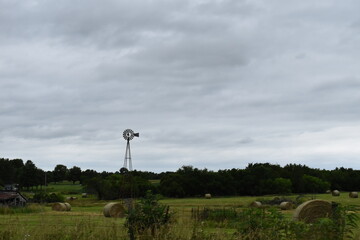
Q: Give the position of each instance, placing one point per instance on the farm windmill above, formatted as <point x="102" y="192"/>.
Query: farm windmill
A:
<point x="128" y="135"/>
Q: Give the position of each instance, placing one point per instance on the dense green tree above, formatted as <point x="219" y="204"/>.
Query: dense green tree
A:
<point x="28" y="175"/>
<point x="281" y="185"/>
<point x="117" y="186"/>
<point x="7" y="172"/>
<point x="172" y="185"/>
<point x="17" y="165"/>
<point x="314" y="184"/>
<point x="40" y="177"/>
<point x="88" y="173"/>
<point x="255" y="179"/>
<point x="74" y="174"/>
<point x="60" y="172"/>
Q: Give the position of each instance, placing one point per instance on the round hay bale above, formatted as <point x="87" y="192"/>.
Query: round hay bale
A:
<point x="255" y="204"/>
<point x="335" y="193"/>
<point x="353" y="194"/>
<point x="328" y="191"/>
<point x="71" y="198"/>
<point x="276" y="199"/>
<point x="286" y="205"/>
<point x="207" y="195"/>
<point x="68" y="206"/>
<point x="84" y="195"/>
<point x="114" y="210"/>
<point x="58" y="206"/>
<point x="311" y="210"/>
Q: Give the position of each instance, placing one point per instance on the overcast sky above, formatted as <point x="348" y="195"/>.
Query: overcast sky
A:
<point x="213" y="84"/>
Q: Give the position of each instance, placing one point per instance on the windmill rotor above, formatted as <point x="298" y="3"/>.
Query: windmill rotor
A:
<point x="129" y="134"/>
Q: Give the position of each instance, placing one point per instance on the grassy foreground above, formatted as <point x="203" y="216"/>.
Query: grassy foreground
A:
<point x="86" y="220"/>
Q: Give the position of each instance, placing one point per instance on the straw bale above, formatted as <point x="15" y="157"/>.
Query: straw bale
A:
<point x="68" y="206"/>
<point x="71" y="198"/>
<point x="255" y="204"/>
<point x="335" y="193"/>
<point x="353" y="194"/>
<point x="58" y="206"/>
<point x="311" y="210"/>
<point x="286" y="205"/>
<point x="114" y="209"/>
<point x="207" y="195"/>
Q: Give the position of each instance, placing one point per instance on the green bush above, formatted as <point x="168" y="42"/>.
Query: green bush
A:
<point x="147" y="217"/>
<point x="42" y="197"/>
<point x="270" y="224"/>
<point x="216" y="215"/>
<point x="314" y="185"/>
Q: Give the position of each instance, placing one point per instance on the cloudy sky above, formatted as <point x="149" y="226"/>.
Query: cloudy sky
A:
<point x="215" y="84"/>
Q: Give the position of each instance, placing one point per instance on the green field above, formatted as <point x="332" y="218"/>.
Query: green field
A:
<point x="86" y="220"/>
<point x="64" y="187"/>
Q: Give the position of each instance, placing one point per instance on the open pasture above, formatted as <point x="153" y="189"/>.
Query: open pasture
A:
<point x="86" y="219"/>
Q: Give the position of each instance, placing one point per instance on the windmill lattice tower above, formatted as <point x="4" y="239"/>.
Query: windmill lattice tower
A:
<point x="128" y="135"/>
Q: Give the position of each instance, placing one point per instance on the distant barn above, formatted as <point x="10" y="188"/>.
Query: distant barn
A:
<point x="11" y="197"/>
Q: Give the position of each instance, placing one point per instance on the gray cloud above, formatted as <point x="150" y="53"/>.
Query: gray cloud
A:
<point x="214" y="84"/>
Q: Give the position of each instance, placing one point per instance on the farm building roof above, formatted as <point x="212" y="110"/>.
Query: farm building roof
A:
<point x="7" y="195"/>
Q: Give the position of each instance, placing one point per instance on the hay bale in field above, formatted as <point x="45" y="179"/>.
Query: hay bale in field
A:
<point x="68" y="206"/>
<point x="114" y="210"/>
<point x="328" y="191"/>
<point x="255" y="204"/>
<point x="207" y="195"/>
<point x="286" y="205"/>
<point x="353" y="194"/>
<point x="71" y="198"/>
<point x="311" y="210"/>
<point x="58" y="206"/>
<point x="84" y="195"/>
<point x="335" y="193"/>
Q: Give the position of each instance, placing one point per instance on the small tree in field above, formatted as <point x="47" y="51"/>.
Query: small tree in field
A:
<point x="60" y="172"/>
<point x="75" y="174"/>
<point x="147" y="217"/>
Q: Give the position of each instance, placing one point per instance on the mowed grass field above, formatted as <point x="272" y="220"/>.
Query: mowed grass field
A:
<point x="86" y="219"/>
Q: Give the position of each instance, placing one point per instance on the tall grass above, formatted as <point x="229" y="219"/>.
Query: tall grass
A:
<point x="31" y="208"/>
<point x="73" y="228"/>
<point x="225" y="219"/>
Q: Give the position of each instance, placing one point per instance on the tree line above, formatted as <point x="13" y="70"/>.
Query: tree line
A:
<point x="187" y="181"/>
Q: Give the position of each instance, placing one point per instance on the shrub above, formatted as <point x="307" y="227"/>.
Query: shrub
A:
<point x="147" y="217"/>
<point x="314" y="185"/>
<point x="260" y="223"/>
<point x="216" y="215"/>
<point x="42" y="197"/>
<point x="255" y="223"/>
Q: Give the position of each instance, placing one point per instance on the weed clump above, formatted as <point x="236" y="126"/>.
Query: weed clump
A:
<point x="257" y="224"/>
<point x="147" y="217"/>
